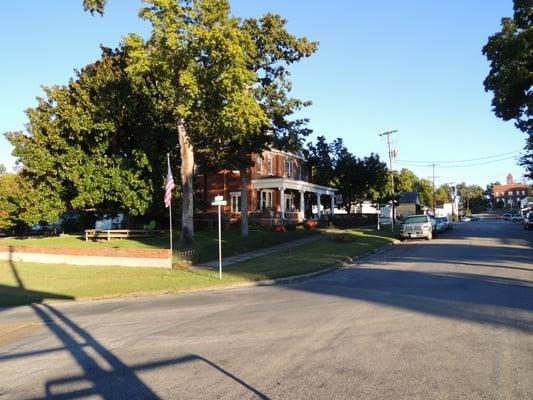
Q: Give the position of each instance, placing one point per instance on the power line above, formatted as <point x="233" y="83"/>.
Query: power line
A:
<point x="458" y="161"/>
<point x="407" y="164"/>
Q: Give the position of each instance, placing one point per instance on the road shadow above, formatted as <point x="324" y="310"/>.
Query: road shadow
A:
<point x="509" y="233"/>
<point x="484" y="299"/>
<point x="115" y="380"/>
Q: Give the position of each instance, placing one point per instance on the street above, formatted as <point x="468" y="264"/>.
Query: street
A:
<point x="450" y="318"/>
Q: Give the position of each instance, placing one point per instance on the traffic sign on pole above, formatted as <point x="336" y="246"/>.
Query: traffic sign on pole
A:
<point x="219" y="201"/>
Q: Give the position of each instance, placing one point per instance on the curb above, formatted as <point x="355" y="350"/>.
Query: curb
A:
<point x="267" y="282"/>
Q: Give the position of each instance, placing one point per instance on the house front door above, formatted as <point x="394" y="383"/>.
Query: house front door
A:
<point x="289" y="202"/>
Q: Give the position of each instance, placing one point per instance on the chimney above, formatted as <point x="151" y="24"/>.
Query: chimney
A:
<point x="509" y="178"/>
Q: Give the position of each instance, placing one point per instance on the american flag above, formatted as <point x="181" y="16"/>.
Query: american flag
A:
<point x="168" y="187"/>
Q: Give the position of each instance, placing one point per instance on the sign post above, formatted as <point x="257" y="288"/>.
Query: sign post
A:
<point x="219" y="201"/>
<point x="378" y="214"/>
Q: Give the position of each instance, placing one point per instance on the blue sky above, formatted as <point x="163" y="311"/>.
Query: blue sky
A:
<point x="411" y="65"/>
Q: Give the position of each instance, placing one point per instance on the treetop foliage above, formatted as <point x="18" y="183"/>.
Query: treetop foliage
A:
<point x="510" y="77"/>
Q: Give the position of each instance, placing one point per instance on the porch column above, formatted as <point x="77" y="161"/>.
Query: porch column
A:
<point x="302" y="201"/>
<point x="282" y="205"/>
<point x="332" y="205"/>
<point x="318" y="212"/>
<point x="260" y="194"/>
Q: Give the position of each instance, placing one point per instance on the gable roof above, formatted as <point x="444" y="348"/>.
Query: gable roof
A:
<point x="408" y="197"/>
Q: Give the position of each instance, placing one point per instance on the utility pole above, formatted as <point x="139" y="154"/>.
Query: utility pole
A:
<point x="433" y="178"/>
<point x="453" y="195"/>
<point x="392" y="154"/>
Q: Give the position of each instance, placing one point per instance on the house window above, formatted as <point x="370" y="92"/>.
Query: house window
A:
<point x="259" y="164"/>
<point x="288" y="168"/>
<point x="523" y="192"/>
<point x="265" y="199"/>
<point x="269" y="164"/>
<point x="235" y="202"/>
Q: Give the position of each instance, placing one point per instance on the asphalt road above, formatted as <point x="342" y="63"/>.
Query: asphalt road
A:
<point x="446" y="319"/>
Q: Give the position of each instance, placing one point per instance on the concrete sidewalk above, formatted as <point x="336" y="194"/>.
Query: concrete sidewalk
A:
<point x="261" y="252"/>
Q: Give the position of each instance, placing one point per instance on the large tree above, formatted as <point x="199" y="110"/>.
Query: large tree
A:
<point x="93" y="144"/>
<point x="511" y="73"/>
<point x="357" y="179"/>
<point x="271" y="50"/>
<point x="224" y="81"/>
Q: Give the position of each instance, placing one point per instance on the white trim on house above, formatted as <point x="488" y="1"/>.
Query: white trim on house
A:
<point x="292" y="184"/>
<point x="266" y="198"/>
<point x="288" y="154"/>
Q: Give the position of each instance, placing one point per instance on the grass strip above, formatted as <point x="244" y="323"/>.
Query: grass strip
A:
<point x="24" y="283"/>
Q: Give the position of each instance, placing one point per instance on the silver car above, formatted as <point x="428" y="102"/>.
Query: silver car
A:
<point x="416" y="226"/>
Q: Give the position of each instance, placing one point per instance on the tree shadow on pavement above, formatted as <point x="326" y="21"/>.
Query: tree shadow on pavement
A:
<point x="116" y="380"/>
<point x="483" y="299"/>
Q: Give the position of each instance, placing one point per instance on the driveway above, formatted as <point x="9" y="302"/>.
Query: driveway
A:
<point x="447" y="319"/>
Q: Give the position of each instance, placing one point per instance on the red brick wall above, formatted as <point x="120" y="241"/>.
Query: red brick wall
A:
<point x="104" y="252"/>
<point x="225" y="182"/>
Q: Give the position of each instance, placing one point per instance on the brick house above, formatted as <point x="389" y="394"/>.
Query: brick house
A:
<point x="511" y="193"/>
<point x="278" y="190"/>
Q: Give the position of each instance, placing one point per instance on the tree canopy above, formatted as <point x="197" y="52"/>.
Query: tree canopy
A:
<point x="510" y="77"/>
<point x="356" y="178"/>
<point x="94" y="144"/>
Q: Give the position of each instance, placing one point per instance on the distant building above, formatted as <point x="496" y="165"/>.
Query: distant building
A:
<point x="408" y="204"/>
<point x="511" y="193"/>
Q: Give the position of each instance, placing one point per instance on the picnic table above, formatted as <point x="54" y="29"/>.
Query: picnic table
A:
<point x="118" y="233"/>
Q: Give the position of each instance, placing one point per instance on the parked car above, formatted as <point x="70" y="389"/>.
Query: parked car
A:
<point x="528" y="221"/>
<point x="449" y="223"/>
<point x="416" y="226"/>
<point x="506" y="216"/>
<point x="517" y="218"/>
<point x="441" y="224"/>
<point x="433" y="223"/>
<point x="466" y="219"/>
<point x="474" y="218"/>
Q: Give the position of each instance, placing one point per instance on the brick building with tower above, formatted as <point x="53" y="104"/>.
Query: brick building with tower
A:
<point x="511" y="193"/>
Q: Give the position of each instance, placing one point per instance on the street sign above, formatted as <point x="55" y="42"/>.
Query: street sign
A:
<point x="219" y="201"/>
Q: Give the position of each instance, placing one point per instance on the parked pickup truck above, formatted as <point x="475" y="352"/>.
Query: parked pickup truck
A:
<point x="416" y="226"/>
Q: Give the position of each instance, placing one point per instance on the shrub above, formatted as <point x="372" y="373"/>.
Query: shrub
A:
<point x="278" y="228"/>
<point x="310" y="224"/>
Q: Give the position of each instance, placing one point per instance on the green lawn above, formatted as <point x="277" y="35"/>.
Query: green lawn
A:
<point x="207" y="242"/>
<point x="24" y="283"/>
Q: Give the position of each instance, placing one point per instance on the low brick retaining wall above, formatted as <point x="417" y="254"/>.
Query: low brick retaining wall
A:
<point x="159" y="258"/>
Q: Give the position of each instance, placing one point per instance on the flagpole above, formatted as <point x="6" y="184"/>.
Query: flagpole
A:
<point x="170" y="212"/>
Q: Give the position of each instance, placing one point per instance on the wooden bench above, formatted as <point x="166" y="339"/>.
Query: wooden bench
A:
<point x="118" y="233"/>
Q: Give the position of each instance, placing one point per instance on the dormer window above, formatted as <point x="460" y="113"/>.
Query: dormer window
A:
<point x="259" y="164"/>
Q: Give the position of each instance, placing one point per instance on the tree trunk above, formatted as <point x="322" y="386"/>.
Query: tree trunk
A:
<point x="187" y="170"/>
<point x="244" y="202"/>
